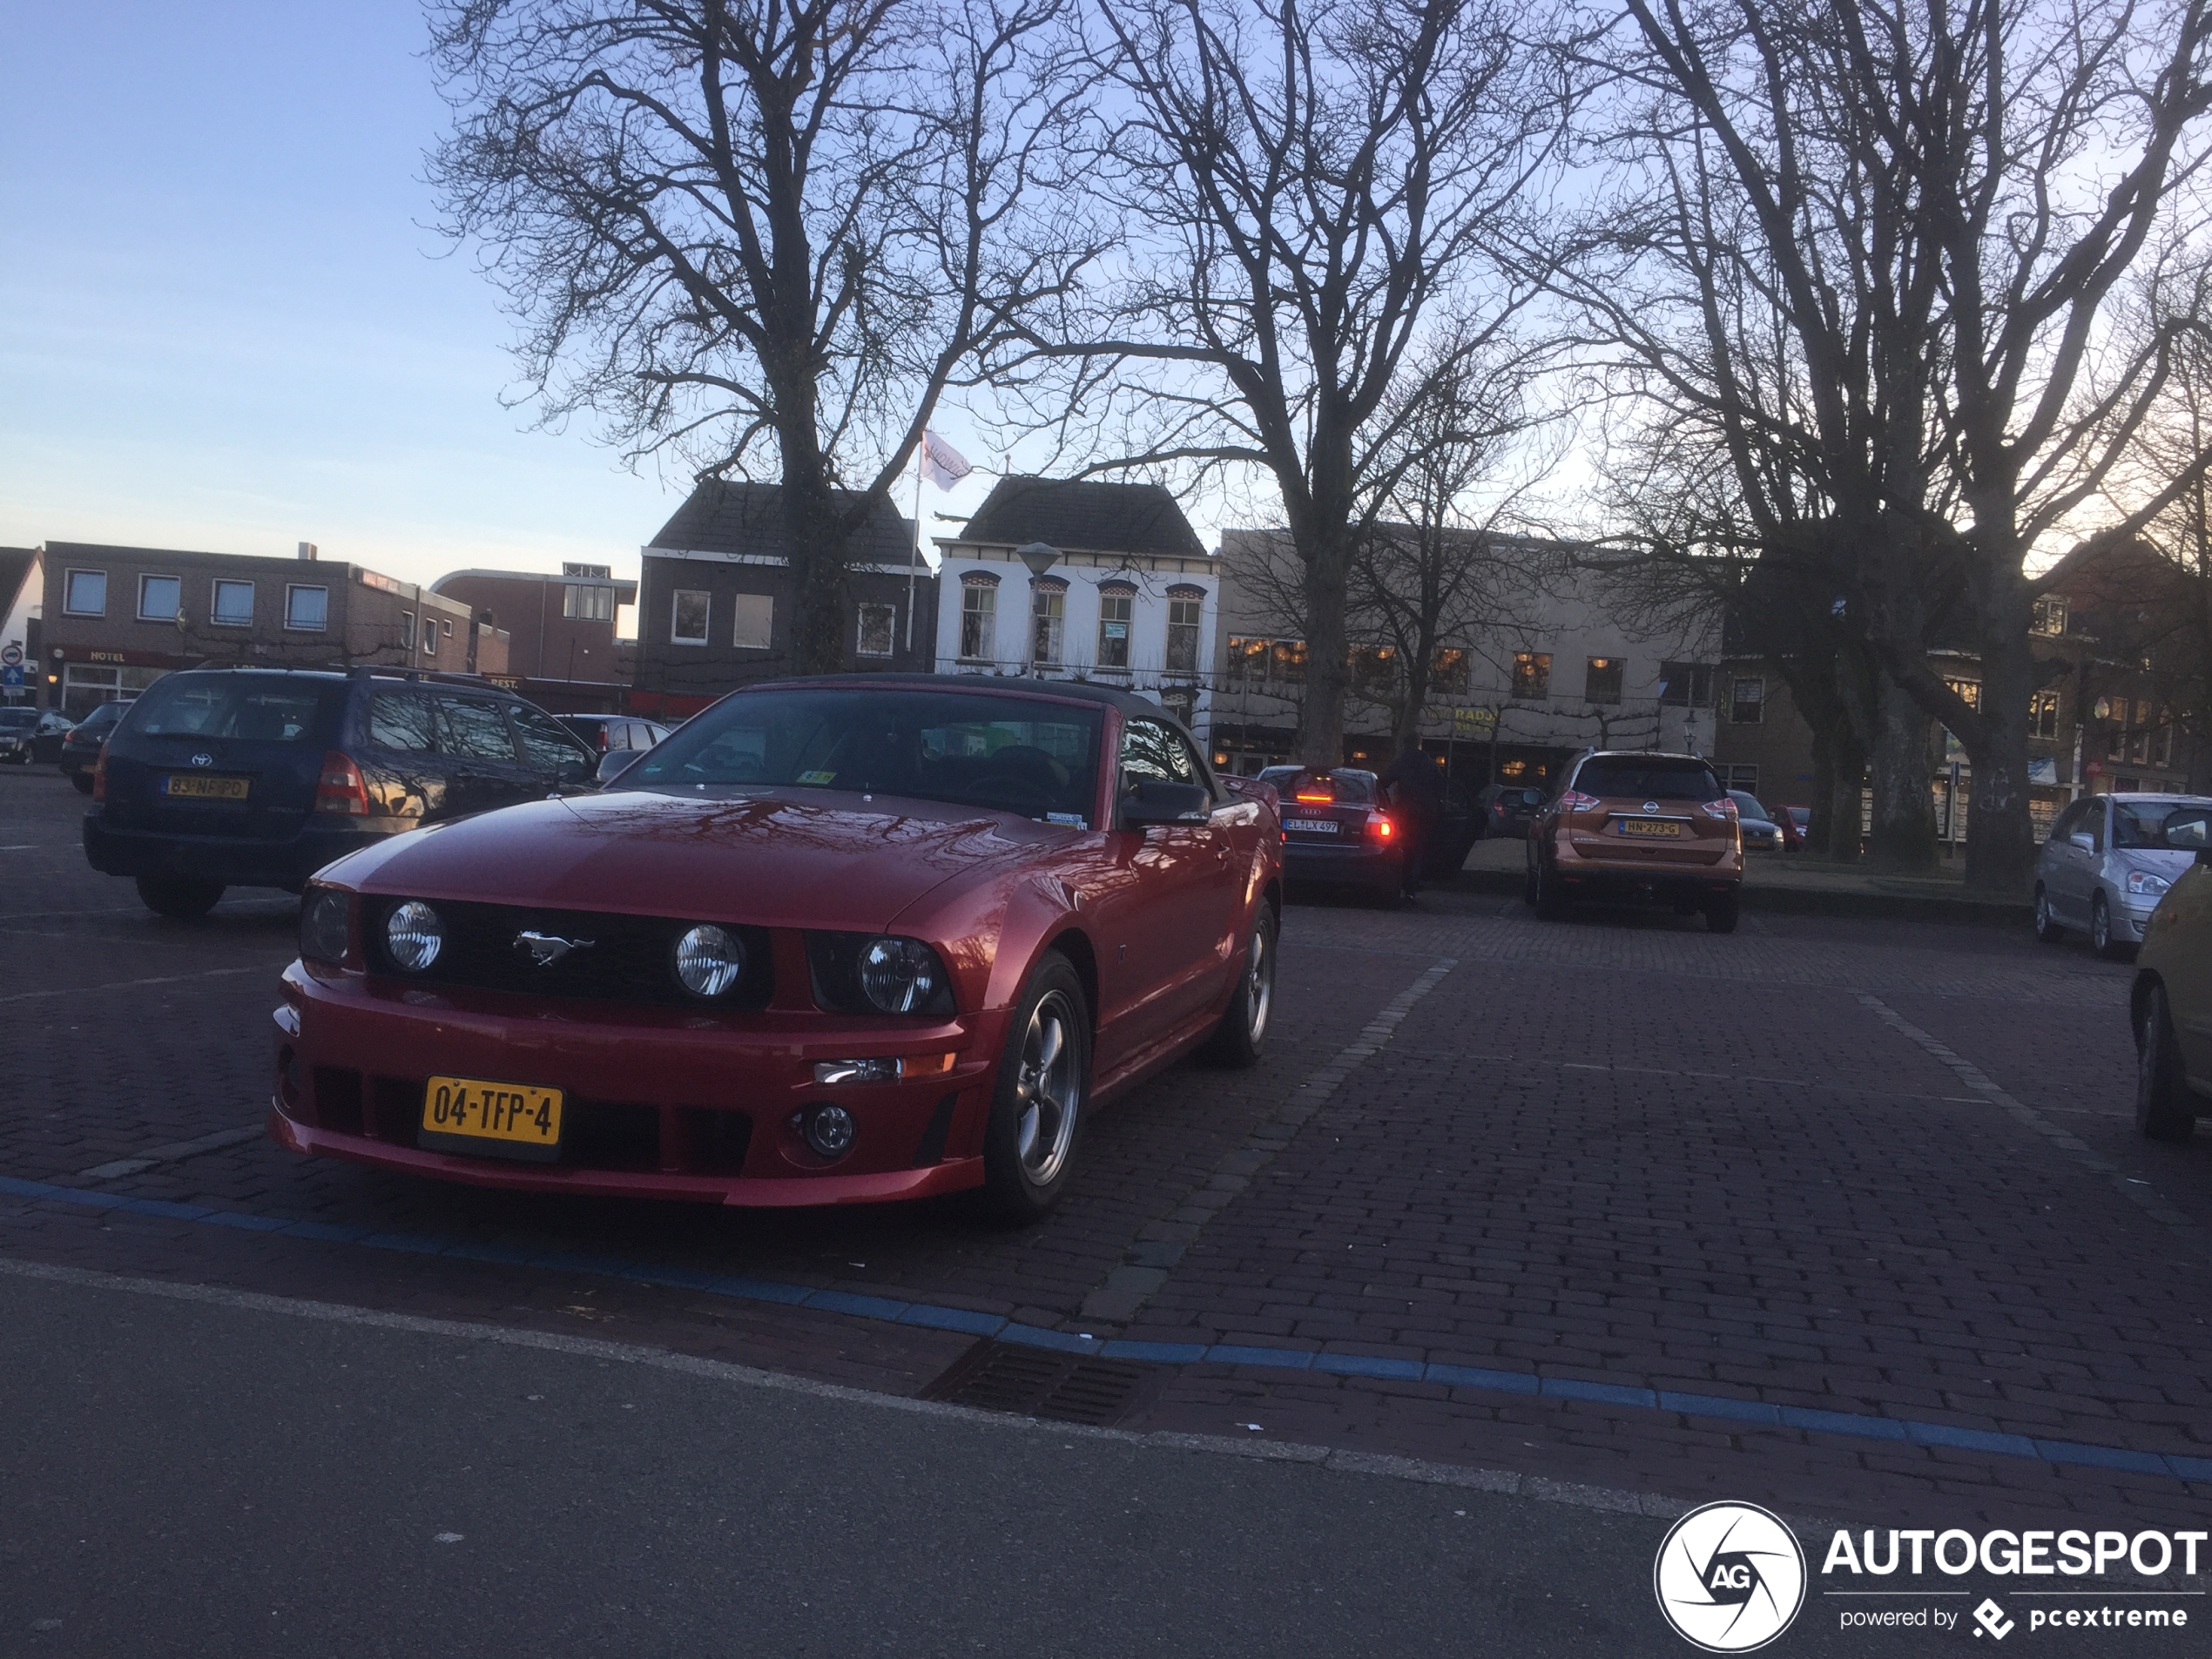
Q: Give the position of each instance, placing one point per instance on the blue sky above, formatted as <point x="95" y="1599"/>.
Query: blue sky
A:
<point x="223" y="325"/>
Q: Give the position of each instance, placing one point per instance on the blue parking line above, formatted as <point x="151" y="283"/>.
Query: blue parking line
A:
<point x="1636" y="1395"/>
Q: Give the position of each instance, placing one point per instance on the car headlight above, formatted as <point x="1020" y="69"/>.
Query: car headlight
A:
<point x="414" y="935"/>
<point x="2143" y="884"/>
<point x="709" y="961"/>
<point x="878" y="974"/>
<point x="324" y="925"/>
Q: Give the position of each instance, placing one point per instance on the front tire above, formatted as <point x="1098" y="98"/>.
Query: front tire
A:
<point x="2162" y="1110"/>
<point x="179" y="897"/>
<point x="2048" y="930"/>
<point x="2100" y="935"/>
<point x="1043" y="1082"/>
<point x="1236" y="1041"/>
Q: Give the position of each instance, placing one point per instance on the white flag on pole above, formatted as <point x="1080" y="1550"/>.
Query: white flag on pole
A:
<point x="941" y="464"/>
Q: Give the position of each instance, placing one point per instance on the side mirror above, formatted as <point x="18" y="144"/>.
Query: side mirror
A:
<point x="2083" y="840"/>
<point x="615" y="762"/>
<point x="2189" y="830"/>
<point x="1156" y="801"/>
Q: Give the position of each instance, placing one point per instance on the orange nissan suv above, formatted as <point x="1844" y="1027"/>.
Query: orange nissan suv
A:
<point x="1632" y="826"/>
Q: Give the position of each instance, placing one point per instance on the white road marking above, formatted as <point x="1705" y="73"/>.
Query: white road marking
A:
<point x="128" y="984"/>
<point x="169" y="1153"/>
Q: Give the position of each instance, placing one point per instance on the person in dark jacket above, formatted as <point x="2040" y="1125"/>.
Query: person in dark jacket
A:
<point x="1415" y="796"/>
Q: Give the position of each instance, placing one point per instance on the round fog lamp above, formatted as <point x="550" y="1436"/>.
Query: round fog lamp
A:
<point x="708" y="962"/>
<point x="414" y="935"/>
<point x="829" y="1130"/>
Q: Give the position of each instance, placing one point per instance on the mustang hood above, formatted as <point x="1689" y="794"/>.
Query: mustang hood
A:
<point x="769" y="860"/>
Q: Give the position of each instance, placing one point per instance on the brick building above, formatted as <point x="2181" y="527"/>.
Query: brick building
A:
<point x="715" y="598"/>
<point x="564" y="650"/>
<point x="117" y="618"/>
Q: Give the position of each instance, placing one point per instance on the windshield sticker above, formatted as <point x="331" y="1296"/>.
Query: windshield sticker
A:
<point x="1073" y="820"/>
<point x="817" y="778"/>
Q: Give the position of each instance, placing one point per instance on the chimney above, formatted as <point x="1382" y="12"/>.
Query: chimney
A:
<point x="307" y="549"/>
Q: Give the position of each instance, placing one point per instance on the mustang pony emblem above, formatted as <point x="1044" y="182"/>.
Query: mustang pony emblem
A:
<point x="546" y="949"/>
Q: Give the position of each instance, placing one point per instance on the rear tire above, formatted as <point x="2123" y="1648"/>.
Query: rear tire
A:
<point x="179" y="897"/>
<point x="1238" y="1040"/>
<point x="1721" y="914"/>
<point x="83" y="780"/>
<point x="1043" y="1084"/>
<point x="2048" y="930"/>
<point x="2162" y="1102"/>
<point x="1550" y="901"/>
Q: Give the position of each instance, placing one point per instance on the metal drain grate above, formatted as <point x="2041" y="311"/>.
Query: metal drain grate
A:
<point x="1034" y="1382"/>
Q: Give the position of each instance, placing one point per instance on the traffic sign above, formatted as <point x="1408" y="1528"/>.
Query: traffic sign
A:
<point x="11" y="676"/>
<point x="12" y="654"/>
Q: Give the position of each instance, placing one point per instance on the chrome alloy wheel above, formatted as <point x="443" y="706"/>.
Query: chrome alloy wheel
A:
<point x="1260" y="983"/>
<point x="1047" y="1090"/>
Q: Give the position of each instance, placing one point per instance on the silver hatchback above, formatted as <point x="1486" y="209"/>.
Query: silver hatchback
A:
<point x="2105" y="867"/>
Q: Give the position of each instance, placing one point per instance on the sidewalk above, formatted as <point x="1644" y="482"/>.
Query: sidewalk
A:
<point x="1785" y="882"/>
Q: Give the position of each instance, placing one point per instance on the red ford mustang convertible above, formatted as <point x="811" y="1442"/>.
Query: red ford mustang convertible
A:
<point x="834" y="941"/>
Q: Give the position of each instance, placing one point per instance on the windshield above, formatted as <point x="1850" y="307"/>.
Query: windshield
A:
<point x="1748" y="806"/>
<point x="18" y="719"/>
<point x="1004" y="755"/>
<point x="2142" y="824"/>
<point x="265" y="708"/>
<point x="1647" y="778"/>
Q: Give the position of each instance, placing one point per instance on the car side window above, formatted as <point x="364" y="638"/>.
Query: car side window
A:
<point x="1151" y="752"/>
<point x="2093" y="821"/>
<point x="2067" y="822"/>
<point x="402" y="720"/>
<point x="544" y="743"/>
<point x="475" y="728"/>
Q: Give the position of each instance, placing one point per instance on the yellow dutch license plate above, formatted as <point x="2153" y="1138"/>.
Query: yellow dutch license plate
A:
<point x="1648" y="826"/>
<point x="190" y="785"/>
<point x="470" y="1115"/>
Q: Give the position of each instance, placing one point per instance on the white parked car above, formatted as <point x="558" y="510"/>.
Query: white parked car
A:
<point x="2105" y="867"/>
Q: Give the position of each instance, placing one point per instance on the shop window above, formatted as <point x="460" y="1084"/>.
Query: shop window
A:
<point x="1747" y="699"/>
<point x="1374" y="668"/>
<point x="2048" y="618"/>
<point x="1532" y="675"/>
<point x="1288" y="660"/>
<point x="2043" y="715"/>
<point x="1602" y="679"/>
<point x="1969" y="691"/>
<point x="1447" y="669"/>
<point x="1247" y="664"/>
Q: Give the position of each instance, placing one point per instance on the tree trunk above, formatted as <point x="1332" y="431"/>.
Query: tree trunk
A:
<point x="814" y="535"/>
<point x="1328" y="666"/>
<point x="1904" y="834"/>
<point x="1843" y="840"/>
<point x="2000" y="835"/>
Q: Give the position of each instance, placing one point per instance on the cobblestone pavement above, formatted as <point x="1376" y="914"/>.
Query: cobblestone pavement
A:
<point x="1884" y="1171"/>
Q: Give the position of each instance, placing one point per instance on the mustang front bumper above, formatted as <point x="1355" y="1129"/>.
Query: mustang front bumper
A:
<point x="658" y="1102"/>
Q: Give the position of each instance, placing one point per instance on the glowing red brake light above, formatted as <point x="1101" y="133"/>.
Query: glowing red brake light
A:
<point x="341" y="789"/>
<point x="1380" y="826"/>
<point x="1316" y="799"/>
<point x="1575" y="801"/>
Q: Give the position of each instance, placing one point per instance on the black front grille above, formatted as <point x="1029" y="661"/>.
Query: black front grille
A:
<point x="629" y="959"/>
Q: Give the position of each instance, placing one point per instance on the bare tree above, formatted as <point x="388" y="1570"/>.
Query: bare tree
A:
<point x="1301" y="185"/>
<point x="764" y="239"/>
<point x="1924" y="211"/>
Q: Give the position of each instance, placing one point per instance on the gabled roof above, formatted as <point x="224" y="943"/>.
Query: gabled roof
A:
<point x="1085" y="516"/>
<point x="15" y="570"/>
<point x="723" y="516"/>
